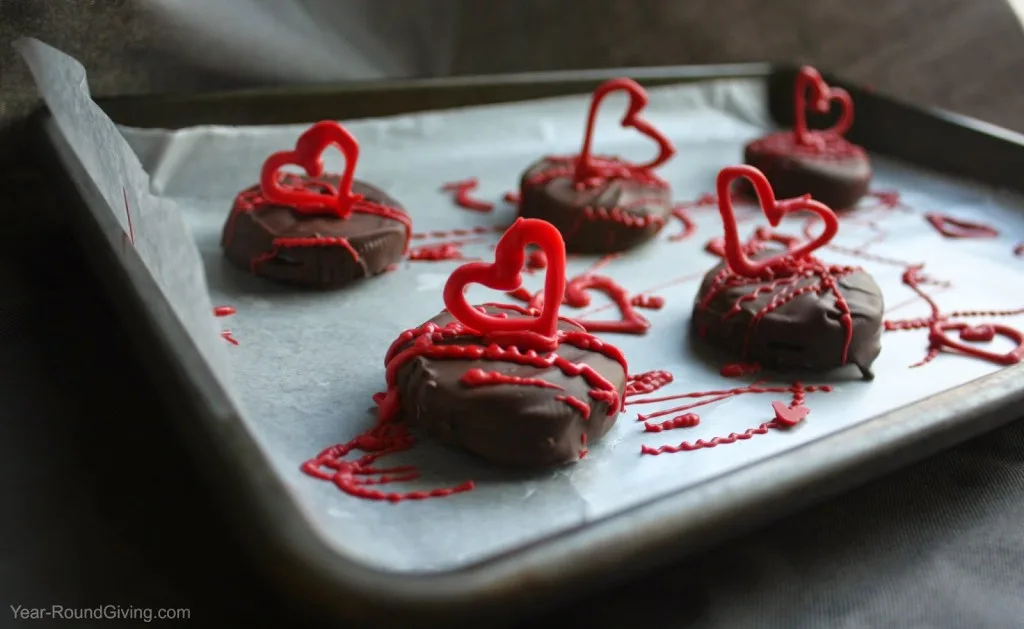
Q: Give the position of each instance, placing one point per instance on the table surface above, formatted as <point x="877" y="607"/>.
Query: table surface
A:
<point x="101" y="504"/>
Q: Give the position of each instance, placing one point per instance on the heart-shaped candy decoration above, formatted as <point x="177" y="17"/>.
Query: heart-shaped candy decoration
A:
<point x="505" y="274"/>
<point x="789" y="416"/>
<point x="308" y="154"/>
<point x="774" y="210"/>
<point x="630" y="321"/>
<point x="958" y="228"/>
<point x="979" y="333"/>
<point x="637" y="101"/>
<point x="821" y="97"/>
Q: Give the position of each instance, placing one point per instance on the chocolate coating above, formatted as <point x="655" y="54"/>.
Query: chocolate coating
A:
<point x="838" y="175"/>
<point x="805" y="333"/>
<point x="248" y="239"/>
<point x="510" y="424"/>
<point x="617" y="214"/>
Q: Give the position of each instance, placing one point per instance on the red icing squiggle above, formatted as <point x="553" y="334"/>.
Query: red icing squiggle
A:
<point x="440" y="251"/>
<point x="938" y="324"/>
<point x="786" y="416"/>
<point x="460" y="232"/>
<point x="463" y="190"/>
<point x="951" y="227"/>
<point x="359" y="477"/>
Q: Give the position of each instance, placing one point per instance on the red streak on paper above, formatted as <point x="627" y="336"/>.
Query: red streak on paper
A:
<point x="460" y="232"/>
<point x="511" y="197"/>
<point x="463" y="190"/>
<point x="223" y="311"/>
<point x="128" y="213"/>
<point x="939" y="324"/>
<point x="226" y="335"/>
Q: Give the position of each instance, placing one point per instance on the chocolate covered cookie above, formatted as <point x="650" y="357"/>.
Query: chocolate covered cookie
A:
<point x="516" y="386"/>
<point x="601" y="204"/>
<point x="786" y="310"/>
<point x="823" y="163"/>
<point x="317" y="231"/>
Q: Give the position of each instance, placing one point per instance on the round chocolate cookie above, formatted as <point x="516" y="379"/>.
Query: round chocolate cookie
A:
<point x="505" y="410"/>
<point x="819" y="318"/>
<point x="315" y="250"/>
<point x="603" y="215"/>
<point x="833" y="171"/>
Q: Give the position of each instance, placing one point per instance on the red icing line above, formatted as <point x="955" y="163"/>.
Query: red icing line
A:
<point x="809" y="80"/>
<point x="938" y="324"/>
<point x="226" y="335"/>
<point x="575" y="403"/>
<point x="479" y="377"/>
<point x="223" y="311"/>
<point x="587" y="167"/>
<point x="463" y="190"/>
<point x="511" y="197"/>
<point x="288" y="243"/>
<point x="537" y="260"/>
<point x="958" y="228"/>
<point x="458" y="233"/>
<point x="785" y="416"/>
<point x="651" y="302"/>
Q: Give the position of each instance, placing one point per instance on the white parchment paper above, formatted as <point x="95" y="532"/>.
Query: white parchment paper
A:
<point x="307" y="363"/>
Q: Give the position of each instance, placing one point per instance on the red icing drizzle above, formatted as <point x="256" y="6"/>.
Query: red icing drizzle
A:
<point x="951" y="227"/>
<point x="459" y="233"/>
<point x="358" y="477"/>
<point x="939" y="324"/>
<point x="463" y="190"/>
<point x="680" y="212"/>
<point x="511" y="197"/>
<point x="786" y="416"/>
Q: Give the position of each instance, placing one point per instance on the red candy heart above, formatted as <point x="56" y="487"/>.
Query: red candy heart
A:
<point x="957" y="228"/>
<point x="773" y="210"/>
<point x="308" y="154"/>
<point x="505" y="274"/>
<point x="809" y="79"/>
<point x="789" y="416"/>
<point x="979" y="333"/>
<point x="637" y="101"/>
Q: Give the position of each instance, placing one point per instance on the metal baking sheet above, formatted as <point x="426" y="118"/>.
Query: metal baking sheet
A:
<point x="307" y="364"/>
<point x="291" y="407"/>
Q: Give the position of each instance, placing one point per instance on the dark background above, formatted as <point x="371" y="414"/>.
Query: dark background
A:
<point x="100" y="504"/>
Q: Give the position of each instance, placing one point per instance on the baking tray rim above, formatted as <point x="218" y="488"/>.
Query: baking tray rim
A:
<point x="639" y="536"/>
